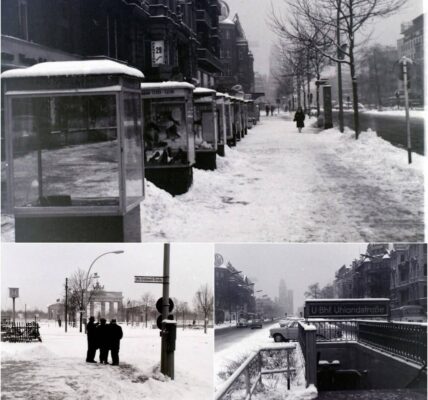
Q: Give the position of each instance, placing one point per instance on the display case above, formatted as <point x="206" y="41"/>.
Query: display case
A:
<point x="169" y="139"/>
<point x="74" y="151"/>
<point x="206" y="129"/>
<point x="221" y="123"/>
<point x="237" y="119"/>
<point x="230" y="118"/>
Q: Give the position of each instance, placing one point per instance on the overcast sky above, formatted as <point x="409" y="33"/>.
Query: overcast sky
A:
<point x="253" y="15"/>
<point x="39" y="270"/>
<point x="298" y="264"/>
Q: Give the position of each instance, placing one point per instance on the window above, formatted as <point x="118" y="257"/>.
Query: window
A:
<point x="402" y="257"/>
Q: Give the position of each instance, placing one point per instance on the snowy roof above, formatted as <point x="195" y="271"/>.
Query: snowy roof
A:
<point x="227" y="21"/>
<point x="201" y="90"/>
<point x="167" y="85"/>
<point x="67" y="68"/>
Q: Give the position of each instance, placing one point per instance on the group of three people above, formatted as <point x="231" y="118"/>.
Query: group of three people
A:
<point x="105" y="337"/>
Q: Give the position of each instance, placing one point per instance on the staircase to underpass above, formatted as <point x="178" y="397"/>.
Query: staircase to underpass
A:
<point x="365" y="359"/>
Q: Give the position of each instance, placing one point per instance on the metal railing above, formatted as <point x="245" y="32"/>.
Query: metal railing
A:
<point x="20" y="332"/>
<point x="248" y="378"/>
<point x="408" y="341"/>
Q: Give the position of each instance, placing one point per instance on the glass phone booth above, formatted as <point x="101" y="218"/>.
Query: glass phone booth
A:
<point x="237" y="120"/>
<point x="221" y="123"/>
<point x="244" y="117"/>
<point x="169" y="141"/>
<point x="206" y="129"/>
<point x="228" y="113"/>
<point x="74" y="151"/>
<point x="250" y="114"/>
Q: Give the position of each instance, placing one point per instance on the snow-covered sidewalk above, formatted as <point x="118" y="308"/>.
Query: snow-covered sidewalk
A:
<point x="279" y="185"/>
<point x="56" y="368"/>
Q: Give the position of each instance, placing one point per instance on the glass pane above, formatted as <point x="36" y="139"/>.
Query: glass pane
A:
<point x="65" y="151"/>
<point x="165" y="133"/>
<point x="205" y="129"/>
<point x="133" y="147"/>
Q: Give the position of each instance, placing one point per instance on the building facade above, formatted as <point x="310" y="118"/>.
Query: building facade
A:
<point x="233" y="293"/>
<point x="411" y="45"/>
<point x="235" y="56"/>
<point x="409" y="275"/>
<point x="165" y="39"/>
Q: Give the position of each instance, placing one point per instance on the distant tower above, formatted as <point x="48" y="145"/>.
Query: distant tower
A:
<point x="282" y="295"/>
<point x="290" y="304"/>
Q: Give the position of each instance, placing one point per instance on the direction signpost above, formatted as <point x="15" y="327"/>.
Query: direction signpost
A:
<point x="165" y="321"/>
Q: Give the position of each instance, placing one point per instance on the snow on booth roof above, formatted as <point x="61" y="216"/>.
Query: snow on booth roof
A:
<point x="167" y="85"/>
<point x="67" y="68"/>
<point x="201" y="90"/>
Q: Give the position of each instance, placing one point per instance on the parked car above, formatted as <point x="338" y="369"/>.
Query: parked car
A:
<point x="255" y="323"/>
<point x="242" y="323"/>
<point x="290" y="331"/>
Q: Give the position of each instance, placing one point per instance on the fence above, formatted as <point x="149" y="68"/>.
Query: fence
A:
<point x="407" y="341"/>
<point x="249" y="376"/>
<point x="20" y="332"/>
<point x="307" y="340"/>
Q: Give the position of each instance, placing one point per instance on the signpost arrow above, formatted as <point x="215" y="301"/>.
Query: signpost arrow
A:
<point x="150" y="279"/>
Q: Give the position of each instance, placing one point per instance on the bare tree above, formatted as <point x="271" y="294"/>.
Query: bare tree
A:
<point x="80" y="296"/>
<point x="148" y="302"/>
<point x="341" y="20"/>
<point x="204" y="302"/>
<point x="313" y="291"/>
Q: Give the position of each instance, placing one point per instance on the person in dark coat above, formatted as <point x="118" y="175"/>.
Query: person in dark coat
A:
<point x="272" y="109"/>
<point x="103" y="340"/>
<point x="91" y="333"/>
<point x="267" y="108"/>
<point x="299" y="117"/>
<point x="114" y="335"/>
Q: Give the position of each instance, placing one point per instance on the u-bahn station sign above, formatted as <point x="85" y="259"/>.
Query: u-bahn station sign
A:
<point x="347" y="308"/>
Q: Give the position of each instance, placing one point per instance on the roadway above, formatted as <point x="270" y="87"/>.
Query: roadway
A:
<point x="229" y="336"/>
<point x="390" y="127"/>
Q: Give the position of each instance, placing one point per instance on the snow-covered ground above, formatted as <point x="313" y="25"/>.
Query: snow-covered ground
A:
<point x="242" y="348"/>
<point x="279" y="185"/>
<point x="401" y="112"/>
<point x="56" y="369"/>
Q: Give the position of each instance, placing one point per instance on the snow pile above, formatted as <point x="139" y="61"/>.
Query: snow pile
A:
<point x="238" y="348"/>
<point x="56" y="368"/>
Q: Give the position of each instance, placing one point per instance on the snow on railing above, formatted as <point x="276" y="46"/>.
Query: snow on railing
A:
<point x="253" y="369"/>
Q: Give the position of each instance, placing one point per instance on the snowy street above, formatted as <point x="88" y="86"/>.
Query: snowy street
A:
<point x="56" y="369"/>
<point x="278" y="185"/>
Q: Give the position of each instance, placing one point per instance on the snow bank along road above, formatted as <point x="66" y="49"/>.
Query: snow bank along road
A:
<point x="279" y="185"/>
<point x="56" y="369"/>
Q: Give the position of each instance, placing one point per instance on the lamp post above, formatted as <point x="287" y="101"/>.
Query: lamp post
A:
<point x="87" y="280"/>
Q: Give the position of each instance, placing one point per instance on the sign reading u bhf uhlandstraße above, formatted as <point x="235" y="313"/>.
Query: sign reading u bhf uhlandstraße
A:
<point x="350" y="308"/>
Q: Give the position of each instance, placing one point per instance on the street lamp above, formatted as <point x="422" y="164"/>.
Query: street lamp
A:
<point x="87" y="280"/>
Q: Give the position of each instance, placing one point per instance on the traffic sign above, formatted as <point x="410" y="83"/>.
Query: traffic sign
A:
<point x="159" y="305"/>
<point x="149" y="279"/>
<point x="159" y="320"/>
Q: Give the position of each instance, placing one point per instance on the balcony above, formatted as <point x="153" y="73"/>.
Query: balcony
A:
<point x="208" y="61"/>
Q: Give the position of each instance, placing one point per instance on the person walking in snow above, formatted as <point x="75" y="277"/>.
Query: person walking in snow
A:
<point x="115" y="334"/>
<point x="272" y="109"/>
<point x="267" y="108"/>
<point x="299" y="117"/>
<point x="91" y="333"/>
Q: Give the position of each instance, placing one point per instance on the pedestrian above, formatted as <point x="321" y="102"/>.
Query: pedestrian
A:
<point x="103" y="340"/>
<point x="272" y="109"/>
<point x="115" y="334"/>
<point x="267" y="108"/>
<point x="299" y="117"/>
<point x="91" y="333"/>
